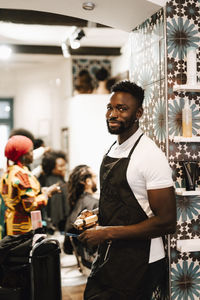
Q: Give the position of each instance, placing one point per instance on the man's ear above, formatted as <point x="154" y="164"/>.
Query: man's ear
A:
<point x="88" y="182"/>
<point x="139" y="112"/>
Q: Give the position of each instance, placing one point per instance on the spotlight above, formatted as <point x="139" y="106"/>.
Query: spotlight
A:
<point x="75" y="44"/>
<point x="75" y="38"/>
<point x="80" y="34"/>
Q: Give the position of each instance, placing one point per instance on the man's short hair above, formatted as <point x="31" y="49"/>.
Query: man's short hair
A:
<point x="101" y="74"/>
<point x="132" y="88"/>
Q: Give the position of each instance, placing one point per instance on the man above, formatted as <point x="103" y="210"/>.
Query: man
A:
<point x="81" y="190"/>
<point x="137" y="207"/>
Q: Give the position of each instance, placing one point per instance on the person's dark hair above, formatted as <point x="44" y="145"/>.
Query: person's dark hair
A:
<point x="132" y="88"/>
<point x="101" y="74"/>
<point x="22" y="131"/>
<point x="84" y="73"/>
<point x="109" y="84"/>
<point x="38" y="143"/>
<point x="49" y="160"/>
<point x="83" y="83"/>
<point x="76" y="182"/>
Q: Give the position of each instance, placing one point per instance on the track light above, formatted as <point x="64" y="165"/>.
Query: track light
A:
<point x="75" y="38"/>
<point x="75" y="44"/>
<point x="65" y="49"/>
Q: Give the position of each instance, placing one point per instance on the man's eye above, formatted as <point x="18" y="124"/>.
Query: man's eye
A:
<point x="109" y="108"/>
<point x="122" y="108"/>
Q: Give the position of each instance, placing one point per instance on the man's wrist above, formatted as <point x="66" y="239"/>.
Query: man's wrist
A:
<point x="109" y="234"/>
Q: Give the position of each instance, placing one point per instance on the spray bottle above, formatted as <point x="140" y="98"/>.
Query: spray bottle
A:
<point x="187" y="119"/>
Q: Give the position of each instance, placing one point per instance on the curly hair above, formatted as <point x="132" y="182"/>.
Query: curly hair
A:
<point x="132" y="88"/>
<point x="76" y="182"/>
<point x="49" y="160"/>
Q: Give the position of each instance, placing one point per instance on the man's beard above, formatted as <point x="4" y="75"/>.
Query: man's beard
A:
<point x="124" y="126"/>
<point x="94" y="188"/>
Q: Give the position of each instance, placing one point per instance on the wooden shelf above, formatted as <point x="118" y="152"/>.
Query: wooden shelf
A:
<point x="183" y="192"/>
<point x="186" y="88"/>
<point x="193" y="139"/>
<point x="189" y="245"/>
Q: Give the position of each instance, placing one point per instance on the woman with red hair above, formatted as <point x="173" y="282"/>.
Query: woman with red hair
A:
<point x="19" y="188"/>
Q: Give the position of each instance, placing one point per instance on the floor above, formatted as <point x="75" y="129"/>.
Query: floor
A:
<point x="73" y="281"/>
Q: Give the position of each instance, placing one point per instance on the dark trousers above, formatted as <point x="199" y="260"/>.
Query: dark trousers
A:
<point x="155" y="279"/>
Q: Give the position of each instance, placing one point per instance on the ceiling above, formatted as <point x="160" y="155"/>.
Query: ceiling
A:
<point x="39" y="27"/>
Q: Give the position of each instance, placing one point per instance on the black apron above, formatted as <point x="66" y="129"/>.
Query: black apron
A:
<point x="121" y="265"/>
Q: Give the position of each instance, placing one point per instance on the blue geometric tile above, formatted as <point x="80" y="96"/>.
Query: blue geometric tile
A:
<point x="185" y="283"/>
<point x="187" y="208"/>
<point x="91" y="65"/>
<point x="181" y="33"/>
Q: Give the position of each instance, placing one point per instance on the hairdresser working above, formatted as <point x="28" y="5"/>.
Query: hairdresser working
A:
<point x="19" y="188"/>
<point x="137" y="207"/>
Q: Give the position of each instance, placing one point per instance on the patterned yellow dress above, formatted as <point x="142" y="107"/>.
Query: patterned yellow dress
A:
<point x="21" y="193"/>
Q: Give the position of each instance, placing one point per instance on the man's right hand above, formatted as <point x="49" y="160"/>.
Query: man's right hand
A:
<point x="94" y="236"/>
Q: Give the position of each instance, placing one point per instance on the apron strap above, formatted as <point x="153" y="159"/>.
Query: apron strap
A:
<point x="131" y="149"/>
<point x="130" y="153"/>
<point x="110" y="148"/>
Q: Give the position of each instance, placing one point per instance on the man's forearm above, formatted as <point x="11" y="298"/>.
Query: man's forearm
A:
<point x="150" y="228"/>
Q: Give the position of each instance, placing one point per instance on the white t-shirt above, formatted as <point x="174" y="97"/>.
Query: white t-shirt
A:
<point x="148" y="169"/>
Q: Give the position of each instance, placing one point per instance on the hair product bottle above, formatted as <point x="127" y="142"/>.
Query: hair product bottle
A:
<point x="187" y="120"/>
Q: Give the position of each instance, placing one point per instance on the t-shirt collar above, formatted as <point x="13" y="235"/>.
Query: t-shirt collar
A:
<point x="131" y="140"/>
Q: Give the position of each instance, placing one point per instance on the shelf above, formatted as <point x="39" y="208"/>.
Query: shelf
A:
<point x="183" y="192"/>
<point x="192" y="245"/>
<point x="193" y="139"/>
<point x="186" y="88"/>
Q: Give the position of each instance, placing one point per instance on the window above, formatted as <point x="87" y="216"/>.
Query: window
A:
<point x="6" y="124"/>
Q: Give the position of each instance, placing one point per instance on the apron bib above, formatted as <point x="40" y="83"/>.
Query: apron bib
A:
<point x="120" y="265"/>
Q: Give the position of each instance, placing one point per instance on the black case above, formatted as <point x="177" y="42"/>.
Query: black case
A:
<point x="45" y="270"/>
<point x="29" y="273"/>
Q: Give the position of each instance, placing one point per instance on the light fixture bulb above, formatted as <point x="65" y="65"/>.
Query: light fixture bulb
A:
<point x="5" y="52"/>
<point x="75" y="44"/>
<point x="88" y="5"/>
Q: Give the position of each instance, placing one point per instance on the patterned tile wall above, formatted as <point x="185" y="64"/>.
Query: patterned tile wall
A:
<point x="147" y="69"/>
<point x="91" y="65"/>
<point x="183" y="30"/>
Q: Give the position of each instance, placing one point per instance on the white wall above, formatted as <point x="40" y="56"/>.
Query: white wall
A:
<point x="89" y="138"/>
<point x="121" y="64"/>
<point x="39" y="93"/>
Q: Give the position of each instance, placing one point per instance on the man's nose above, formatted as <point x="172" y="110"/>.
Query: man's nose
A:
<point x="113" y="113"/>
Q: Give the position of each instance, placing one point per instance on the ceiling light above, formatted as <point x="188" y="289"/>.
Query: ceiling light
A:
<point x="75" y="44"/>
<point x="88" y="5"/>
<point x="5" y="52"/>
<point x="75" y="38"/>
<point x="78" y="34"/>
